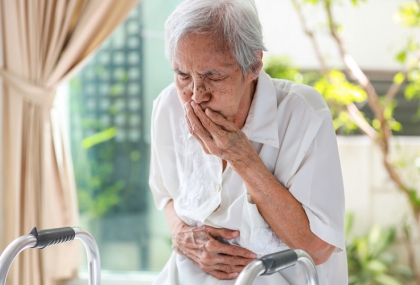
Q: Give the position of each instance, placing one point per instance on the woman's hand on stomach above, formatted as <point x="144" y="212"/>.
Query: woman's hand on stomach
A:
<point x="201" y="246"/>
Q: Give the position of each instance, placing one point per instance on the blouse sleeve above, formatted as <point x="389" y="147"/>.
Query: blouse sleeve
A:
<point x="161" y="195"/>
<point x="317" y="184"/>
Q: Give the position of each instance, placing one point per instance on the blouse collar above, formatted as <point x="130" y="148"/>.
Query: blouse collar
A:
<point x="261" y="124"/>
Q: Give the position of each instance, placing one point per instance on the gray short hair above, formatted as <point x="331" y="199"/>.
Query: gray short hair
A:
<point x="236" y="21"/>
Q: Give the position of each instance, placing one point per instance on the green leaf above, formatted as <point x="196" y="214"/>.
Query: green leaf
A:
<point x="399" y="78"/>
<point x="376" y="124"/>
<point x="311" y="1"/>
<point x="99" y="137"/>
<point x="394" y="125"/>
<point x="388" y="258"/>
<point x="134" y="155"/>
<point x="415" y="199"/>
<point x="336" y="88"/>
<point x="401" y="56"/>
<point x="408" y="15"/>
<point x="116" y="89"/>
<point x="376" y="266"/>
<point x="362" y="249"/>
<point x="410" y="92"/>
<point x="379" y="239"/>
<point x="356" y="2"/>
<point x="387" y="280"/>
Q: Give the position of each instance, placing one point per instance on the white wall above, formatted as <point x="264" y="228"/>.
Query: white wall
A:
<point x="372" y="37"/>
<point x="370" y="193"/>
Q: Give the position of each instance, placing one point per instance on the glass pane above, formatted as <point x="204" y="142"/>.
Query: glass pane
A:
<point x="110" y="154"/>
<point x="110" y="108"/>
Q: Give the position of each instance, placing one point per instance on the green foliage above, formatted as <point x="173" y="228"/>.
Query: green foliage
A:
<point x="388" y="113"/>
<point x="412" y="90"/>
<point x="357" y="2"/>
<point x="98" y="189"/>
<point x="99" y="137"/>
<point x="339" y="92"/>
<point x="408" y="15"/>
<point x="334" y="87"/>
<point x="414" y="197"/>
<point x="369" y="261"/>
<point x="282" y="67"/>
<point x="336" y="90"/>
<point x="97" y="192"/>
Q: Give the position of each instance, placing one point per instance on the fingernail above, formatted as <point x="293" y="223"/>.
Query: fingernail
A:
<point x="253" y="255"/>
<point x="193" y="104"/>
<point x="208" y="111"/>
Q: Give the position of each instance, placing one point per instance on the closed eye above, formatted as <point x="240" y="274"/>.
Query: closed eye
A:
<point x="217" y="79"/>
<point x="183" y="77"/>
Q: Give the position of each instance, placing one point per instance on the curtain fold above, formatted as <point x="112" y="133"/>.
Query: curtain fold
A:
<point x="44" y="43"/>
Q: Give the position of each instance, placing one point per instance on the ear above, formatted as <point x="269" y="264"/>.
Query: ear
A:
<point x="256" y="67"/>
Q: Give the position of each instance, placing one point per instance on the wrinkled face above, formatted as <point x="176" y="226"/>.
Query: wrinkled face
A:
<point x="207" y="73"/>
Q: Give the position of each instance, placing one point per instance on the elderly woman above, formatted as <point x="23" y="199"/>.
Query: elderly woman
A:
<point x="243" y="164"/>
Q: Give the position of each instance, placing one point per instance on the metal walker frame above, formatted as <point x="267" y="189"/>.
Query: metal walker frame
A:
<point x="265" y="265"/>
<point x="51" y="237"/>
<point x="275" y="262"/>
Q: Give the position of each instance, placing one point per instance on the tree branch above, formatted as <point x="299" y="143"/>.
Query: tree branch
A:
<point x="360" y="121"/>
<point x="354" y="70"/>
<point x="392" y="92"/>
<point x="311" y="36"/>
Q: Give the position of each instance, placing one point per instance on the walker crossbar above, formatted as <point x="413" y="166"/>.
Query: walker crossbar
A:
<point x="276" y="262"/>
<point x="51" y="237"/>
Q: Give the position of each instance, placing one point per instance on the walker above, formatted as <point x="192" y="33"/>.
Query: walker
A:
<point x="44" y="238"/>
<point x="265" y="265"/>
<point x="275" y="262"/>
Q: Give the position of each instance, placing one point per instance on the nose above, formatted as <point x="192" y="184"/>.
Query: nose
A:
<point x="200" y="92"/>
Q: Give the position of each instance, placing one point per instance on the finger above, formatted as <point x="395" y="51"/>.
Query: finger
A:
<point x="196" y="125"/>
<point x="192" y="131"/>
<point x="225" y="268"/>
<point x="201" y="142"/>
<point x="222" y="232"/>
<point x="218" y="119"/>
<point x="233" y="250"/>
<point x="211" y="259"/>
<point x="222" y="275"/>
<point x="208" y="124"/>
<point x="196" y="128"/>
<point x="218" y="270"/>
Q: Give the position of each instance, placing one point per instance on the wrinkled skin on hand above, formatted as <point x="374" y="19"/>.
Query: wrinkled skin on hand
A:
<point x="220" y="260"/>
<point x="218" y="136"/>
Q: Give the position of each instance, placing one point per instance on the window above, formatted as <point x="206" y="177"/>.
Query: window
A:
<point x="109" y="125"/>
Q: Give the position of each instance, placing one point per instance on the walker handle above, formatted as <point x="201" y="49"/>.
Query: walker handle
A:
<point x="275" y="262"/>
<point x="51" y="237"/>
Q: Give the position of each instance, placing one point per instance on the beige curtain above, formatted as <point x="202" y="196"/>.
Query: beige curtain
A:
<point x="44" y="43"/>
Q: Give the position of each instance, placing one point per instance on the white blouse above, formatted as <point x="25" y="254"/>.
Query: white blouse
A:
<point x="290" y="127"/>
